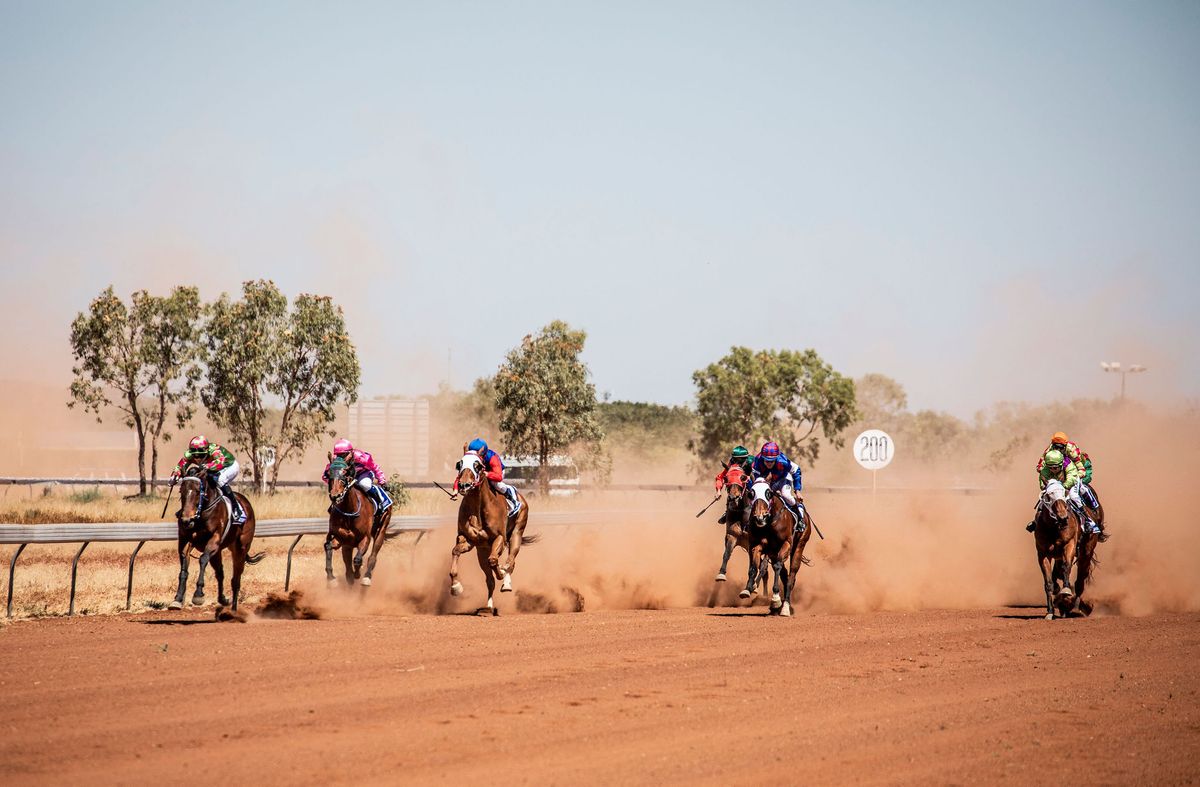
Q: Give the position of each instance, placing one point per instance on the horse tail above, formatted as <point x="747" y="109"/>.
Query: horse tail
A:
<point x="531" y="539"/>
<point x="254" y="560"/>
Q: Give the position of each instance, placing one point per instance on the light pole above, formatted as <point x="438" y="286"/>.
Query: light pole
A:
<point x="1115" y="366"/>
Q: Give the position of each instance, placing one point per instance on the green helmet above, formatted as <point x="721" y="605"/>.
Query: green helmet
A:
<point x="740" y="454"/>
<point x="1054" y="459"/>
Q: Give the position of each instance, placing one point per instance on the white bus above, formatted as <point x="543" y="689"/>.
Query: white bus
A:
<point x="523" y="472"/>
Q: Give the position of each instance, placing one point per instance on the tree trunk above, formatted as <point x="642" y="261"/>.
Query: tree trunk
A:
<point x="141" y="437"/>
<point x="543" y="468"/>
<point x="275" y="472"/>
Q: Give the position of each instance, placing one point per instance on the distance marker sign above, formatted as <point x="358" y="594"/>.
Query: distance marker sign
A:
<point x="874" y="449"/>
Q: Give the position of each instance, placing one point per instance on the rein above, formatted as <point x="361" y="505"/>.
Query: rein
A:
<point x="349" y="514"/>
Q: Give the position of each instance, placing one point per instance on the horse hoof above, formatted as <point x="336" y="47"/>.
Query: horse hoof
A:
<point x="1085" y="607"/>
<point x="787" y="610"/>
<point x="222" y="601"/>
<point x="744" y="594"/>
<point x="456" y="589"/>
<point x="175" y="605"/>
<point x="365" y="582"/>
<point x="197" y="600"/>
<point x="721" y="577"/>
<point x="331" y="583"/>
<point x="506" y="585"/>
<point x="1049" y="616"/>
<point x="776" y="601"/>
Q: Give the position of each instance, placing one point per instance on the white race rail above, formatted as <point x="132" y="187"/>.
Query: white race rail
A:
<point x="84" y="533"/>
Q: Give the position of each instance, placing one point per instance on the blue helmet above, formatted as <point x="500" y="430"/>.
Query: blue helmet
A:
<point x="478" y="446"/>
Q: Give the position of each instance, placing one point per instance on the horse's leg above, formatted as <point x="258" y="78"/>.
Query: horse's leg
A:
<point x="730" y="543"/>
<point x="489" y="575"/>
<point x="755" y="561"/>
<point x="1066" y="596"/>
<point x="776" y="598"/>
<point x="348" y="560"/>
<point x="218" y="567"/>
<point x="205" y="557"/>
<point x="514" y="548"/>
<point x="1083" y="572"/>
<point x="359" y="551"/>
<point x="376" y="544"/>
<point x="238" y="554"/>
<point x="461" y="547"/>
<point x="329" y="560"/>
<point x="785" y="580"/>
<point x="183" y="574"/>
<point x="493" y="558"/>
<point x="1046" y="563"/>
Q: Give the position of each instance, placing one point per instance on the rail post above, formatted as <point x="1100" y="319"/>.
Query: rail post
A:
<point x="287" y="578"/>
<point x="12" y="567"/>
<point x="129" y="586"/>
<point x="74" y="572"/>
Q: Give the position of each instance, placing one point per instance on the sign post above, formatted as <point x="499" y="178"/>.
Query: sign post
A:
<point x="873" y="450"/>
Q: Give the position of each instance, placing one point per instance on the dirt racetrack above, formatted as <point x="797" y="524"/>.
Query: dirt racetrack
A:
<point x="611" y="696"/>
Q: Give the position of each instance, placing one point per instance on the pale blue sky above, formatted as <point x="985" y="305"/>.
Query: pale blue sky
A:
<point x="982" y="200"/>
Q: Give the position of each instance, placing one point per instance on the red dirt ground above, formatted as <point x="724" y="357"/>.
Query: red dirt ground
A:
<point x="688" y="695"/>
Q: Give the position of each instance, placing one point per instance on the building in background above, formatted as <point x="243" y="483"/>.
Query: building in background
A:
<point x="396" y="432"/>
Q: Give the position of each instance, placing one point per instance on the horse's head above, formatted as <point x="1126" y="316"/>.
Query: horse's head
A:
<point x="760" y="502"/>
<point x="1054" y="500"/>
<point x="735" y="486"/>
<point x="471" y="472"/>
<point x="191" y="492"/>
<point x="340" y="479"/>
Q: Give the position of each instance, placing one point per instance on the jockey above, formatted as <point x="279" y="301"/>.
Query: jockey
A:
<point x="368" y="475"/>
<point x="1081" y="460"/>
<point x="781" y="473"/>
<point x="495" y="473"/>
<point x="1055" y="466"/>
<point x="220" y="465"/>
<point x="739" y="458"/>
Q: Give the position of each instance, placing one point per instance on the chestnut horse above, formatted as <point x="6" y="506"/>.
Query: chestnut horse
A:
<point x="484" y="525"/>
<point x="736" y="482"/>
<point x="1056" y="533"/>
<point x="352" y="524"/>
<point x="205" y="524"/>
<point x="776" y="534"/>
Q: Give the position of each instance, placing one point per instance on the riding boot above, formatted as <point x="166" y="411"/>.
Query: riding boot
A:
<point x="514" y="502"/>
<point x="380" y="496"/>
<point x="1031" y="526"/>
<point x="721" y="521"/>
<point x="239" y="516"/>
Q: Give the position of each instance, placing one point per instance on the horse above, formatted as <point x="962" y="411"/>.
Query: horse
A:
<point x="205" y="524"/>
<point x="484" y="523"/>
<point x="735" y="501"/>
<point x="776" y="535"/>
<point x="1085" y="553"/>
<point x="1056" y="533"/>
<point x="352" y="525"/>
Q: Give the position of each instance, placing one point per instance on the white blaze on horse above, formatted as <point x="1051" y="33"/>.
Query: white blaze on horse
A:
<point x="484" y="524"/>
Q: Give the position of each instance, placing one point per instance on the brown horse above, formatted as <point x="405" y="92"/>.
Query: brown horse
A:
<point x="776" y="534"/>
<point x="205" y="525"/>
<point x="353" y="525"/>
<point x="1085" y="555"/>
<point x="1056" y="533"/>
<point x="484" y="524"/>
<point x="736" y="521"/>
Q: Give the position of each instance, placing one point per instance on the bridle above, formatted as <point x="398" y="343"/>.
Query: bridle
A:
<point x="340" y="475"/>
<point x="201" y="509"/>
<point x="476" y="476"/>
<point x="765" y="497"/>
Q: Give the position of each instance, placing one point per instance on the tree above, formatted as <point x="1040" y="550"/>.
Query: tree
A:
<point x="544" y="398"/>
<point x="173" y="354"/>
<point x="880" y="400"/>
<point x="142" y="358"/>
<point x="779" y="394"/>
<point x="274" y="376"/>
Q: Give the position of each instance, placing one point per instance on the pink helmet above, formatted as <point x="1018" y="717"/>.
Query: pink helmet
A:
<point x="198" y="444"/>
<point x="342" y="446"/>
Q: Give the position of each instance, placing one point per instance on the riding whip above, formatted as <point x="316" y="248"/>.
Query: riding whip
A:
<point x="710" y="505"/>
<point x="168" y="500"/>
<point x="444" y="489"/>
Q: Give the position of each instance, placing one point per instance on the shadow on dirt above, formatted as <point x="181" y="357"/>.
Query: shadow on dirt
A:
<point x="175" y="622"/>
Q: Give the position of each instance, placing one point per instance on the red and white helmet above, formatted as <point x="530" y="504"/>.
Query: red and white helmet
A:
<point x="342" y="446"/>
<point x="199" y="443"/>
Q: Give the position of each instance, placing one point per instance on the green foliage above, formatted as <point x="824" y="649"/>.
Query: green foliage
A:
<point x="645" y="428"/>
<point x="86" y="496"/>
<point x="398" y="491"/>
<point x="544" y="398"/>
<point x="142" y="359"/>
<point x="791" y="397"/>
<point x="301" y="360"/>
